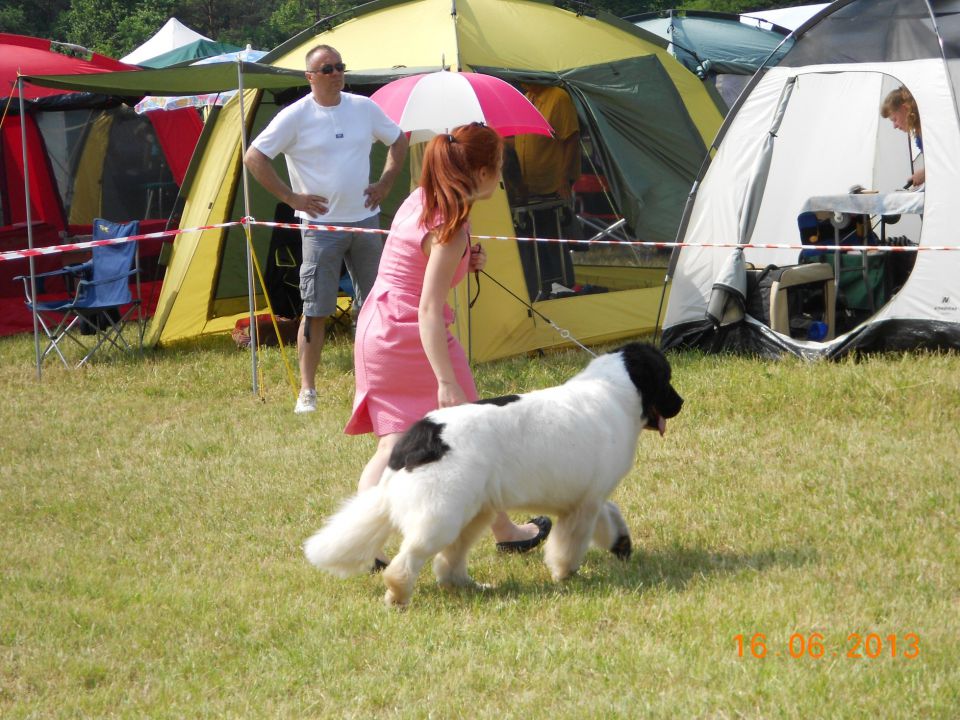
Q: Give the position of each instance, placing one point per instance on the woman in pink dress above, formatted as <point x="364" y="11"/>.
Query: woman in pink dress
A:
<point x="407" y="362"/>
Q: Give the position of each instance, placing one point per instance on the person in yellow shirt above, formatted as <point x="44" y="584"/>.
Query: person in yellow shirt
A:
<point x="548" y="168"/>
<point x="550" y="165"/>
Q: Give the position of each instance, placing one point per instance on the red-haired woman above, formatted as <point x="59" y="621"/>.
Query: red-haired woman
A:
<point x="407" y="362"/>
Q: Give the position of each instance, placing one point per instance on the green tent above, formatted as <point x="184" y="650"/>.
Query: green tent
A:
<point x="190" y="53"/>
<point x="646" y="121"/>
<point x="718" y="47"/>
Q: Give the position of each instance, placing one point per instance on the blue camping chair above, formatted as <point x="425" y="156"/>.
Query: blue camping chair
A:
<point x="102" y="304"/>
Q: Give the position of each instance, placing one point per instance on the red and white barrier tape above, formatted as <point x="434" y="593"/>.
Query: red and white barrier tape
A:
<point x="312" y="226"/>
<point x="70" y="247"/>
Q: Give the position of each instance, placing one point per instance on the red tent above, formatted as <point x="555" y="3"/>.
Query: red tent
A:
<point x="22" y="55"/>
<point x="88" y="156"/>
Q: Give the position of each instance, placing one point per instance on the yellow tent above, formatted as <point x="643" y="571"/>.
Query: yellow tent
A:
<point x="649" y="121"/>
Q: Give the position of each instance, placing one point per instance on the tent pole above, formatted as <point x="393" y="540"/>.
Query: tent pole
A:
<point x="675" y="253"/>
<point x="910" y="153"/>
<point x="26" y="195"/>
<point x="249" y="234"/>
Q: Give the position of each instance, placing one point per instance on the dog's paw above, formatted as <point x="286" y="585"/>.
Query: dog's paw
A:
<point x="561" y="574"/>
<point x="394" y="602"/>
<point x="622" y="547"/>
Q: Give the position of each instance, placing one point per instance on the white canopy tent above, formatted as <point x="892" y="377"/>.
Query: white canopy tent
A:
<point x="172" y="35"/>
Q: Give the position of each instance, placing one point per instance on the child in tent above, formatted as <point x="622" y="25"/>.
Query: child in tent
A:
<point x="901" y="108"/>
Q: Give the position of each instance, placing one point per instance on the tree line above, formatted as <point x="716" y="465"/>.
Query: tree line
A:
<point x="116" y="27"/>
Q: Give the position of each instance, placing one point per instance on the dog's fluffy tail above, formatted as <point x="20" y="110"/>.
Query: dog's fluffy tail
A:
<point x="350" y="540"/>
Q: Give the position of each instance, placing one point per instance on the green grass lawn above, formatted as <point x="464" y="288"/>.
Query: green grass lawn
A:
<point x="152" y="512"/>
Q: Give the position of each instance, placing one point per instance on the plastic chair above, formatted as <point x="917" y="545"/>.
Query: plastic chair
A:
<point x="102" y="303"/>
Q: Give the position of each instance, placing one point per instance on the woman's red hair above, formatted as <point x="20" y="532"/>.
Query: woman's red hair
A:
<point x="451" y="165"/>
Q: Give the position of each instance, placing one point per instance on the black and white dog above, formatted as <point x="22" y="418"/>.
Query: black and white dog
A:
<point x="559" y="451"/>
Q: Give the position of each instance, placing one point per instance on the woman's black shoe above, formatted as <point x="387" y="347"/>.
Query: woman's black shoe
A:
<point x="522" y="546"/>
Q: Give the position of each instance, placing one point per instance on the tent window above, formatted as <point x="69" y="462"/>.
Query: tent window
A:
<point x="640" y="153"/>
<point x="107" y="163"/>
<point x="553" y="270"/>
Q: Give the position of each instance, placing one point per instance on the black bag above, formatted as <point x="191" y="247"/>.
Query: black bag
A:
<point x="759" y="284"/>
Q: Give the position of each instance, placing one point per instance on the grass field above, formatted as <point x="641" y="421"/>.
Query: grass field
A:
<point x="152" y="511"/>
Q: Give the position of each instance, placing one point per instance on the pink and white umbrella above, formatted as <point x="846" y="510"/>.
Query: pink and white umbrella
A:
<point x="433" y="103"/>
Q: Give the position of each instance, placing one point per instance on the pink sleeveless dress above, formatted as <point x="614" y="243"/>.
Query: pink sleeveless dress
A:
<point x="395" y="383"/>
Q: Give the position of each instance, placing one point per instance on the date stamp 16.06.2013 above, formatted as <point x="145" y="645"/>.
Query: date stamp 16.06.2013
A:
<point x="857" y="646"/>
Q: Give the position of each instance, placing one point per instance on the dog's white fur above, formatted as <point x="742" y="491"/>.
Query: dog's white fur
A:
<point x="560" y="451"/>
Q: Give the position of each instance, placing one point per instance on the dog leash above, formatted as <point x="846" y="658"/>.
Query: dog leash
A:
<point x="565" y="334"/>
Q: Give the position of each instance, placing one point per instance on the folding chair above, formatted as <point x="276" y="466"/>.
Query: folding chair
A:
<point x="102" y="304"/>
<point x="342" y="317"/>
<point x="594" y="208"/>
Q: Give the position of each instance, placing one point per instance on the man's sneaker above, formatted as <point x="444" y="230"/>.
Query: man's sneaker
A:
<point x="306" y="402"/>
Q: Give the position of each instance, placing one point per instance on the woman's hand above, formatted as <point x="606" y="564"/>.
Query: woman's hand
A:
<point x="478" y="258"/>
<point x="918" y="178"/>
<point x="442" y="262"/>
<point x="449" y="393"/>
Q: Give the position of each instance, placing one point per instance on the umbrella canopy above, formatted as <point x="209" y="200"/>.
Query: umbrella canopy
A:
<point x="433" y="103"/>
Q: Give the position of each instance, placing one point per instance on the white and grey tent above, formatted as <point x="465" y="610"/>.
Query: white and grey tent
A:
<point x="782" y="171"/>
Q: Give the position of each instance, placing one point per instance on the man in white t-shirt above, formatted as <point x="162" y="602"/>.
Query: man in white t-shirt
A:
<point x="326" y="138"/>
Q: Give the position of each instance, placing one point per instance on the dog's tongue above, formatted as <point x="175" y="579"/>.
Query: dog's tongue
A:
<point x="661" y="425"/>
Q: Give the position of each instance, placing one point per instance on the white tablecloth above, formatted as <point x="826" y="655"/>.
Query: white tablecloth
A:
<point x="901" y="202"/>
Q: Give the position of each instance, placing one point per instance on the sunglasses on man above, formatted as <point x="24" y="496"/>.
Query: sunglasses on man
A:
<point x="328" y="68"/>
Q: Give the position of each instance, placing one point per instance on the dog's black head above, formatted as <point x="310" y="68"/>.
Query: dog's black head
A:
<point x="650" y="372"/>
